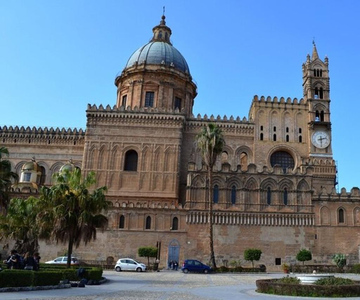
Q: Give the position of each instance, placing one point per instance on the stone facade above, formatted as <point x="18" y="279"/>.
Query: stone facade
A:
<point x="274" y="183"/>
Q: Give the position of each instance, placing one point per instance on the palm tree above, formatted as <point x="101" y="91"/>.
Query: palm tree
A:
<point x="19" y="224"/>
<point x="210" y="142"/>
<point x="71" y="213"/>
<point x="6" y="177"/>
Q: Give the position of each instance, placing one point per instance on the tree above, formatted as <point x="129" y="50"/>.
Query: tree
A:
<point x="70" y="212"/>
<point x="252" y="254"/>
<point x="210" y="142"/>
<point x="19" y="224"/>
<point x="147" y="252"/>
<point x="340" y="260"/>
<point x="6" y="177"/>
<point x="304" y="255"/>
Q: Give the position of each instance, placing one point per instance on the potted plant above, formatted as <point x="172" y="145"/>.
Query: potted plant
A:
<point x="286" y="268"/>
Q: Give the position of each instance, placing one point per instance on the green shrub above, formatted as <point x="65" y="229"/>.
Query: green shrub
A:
<point x="289" y="280"/>
<point x="21" y="278"/>
<point x="16" y="278"/>
<point x="334" y="281"/>
<point x="43" y="278"/>
<point x="355" y="269"/>
<point x="94" y="273"/>
<point x="222" y="269"/>
<point x="304" y="255"/>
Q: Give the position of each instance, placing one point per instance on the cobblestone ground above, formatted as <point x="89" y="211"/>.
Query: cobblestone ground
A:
<point x="166" y="285"/>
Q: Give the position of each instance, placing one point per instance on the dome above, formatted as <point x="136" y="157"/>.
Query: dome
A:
<point x="159" y="51"/>
<point x="30" y="166"/>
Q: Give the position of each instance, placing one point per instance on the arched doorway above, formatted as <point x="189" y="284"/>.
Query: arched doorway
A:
<point x="173" y="251"/>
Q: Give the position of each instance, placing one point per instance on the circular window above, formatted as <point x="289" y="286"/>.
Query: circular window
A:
<point x="282" y="159"/>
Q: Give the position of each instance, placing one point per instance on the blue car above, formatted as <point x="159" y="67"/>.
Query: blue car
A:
<point x="193" y="265"/>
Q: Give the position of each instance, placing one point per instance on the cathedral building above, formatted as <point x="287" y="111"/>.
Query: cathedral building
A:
<point x="274" y="185"/>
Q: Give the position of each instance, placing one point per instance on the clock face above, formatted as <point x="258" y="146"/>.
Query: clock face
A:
<point x="320" y="139"/>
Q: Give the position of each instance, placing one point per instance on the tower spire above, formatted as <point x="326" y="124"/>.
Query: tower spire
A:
<point x="315" y="54"/>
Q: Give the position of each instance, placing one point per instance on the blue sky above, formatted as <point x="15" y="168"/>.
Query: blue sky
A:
<point x="58" y="56"/>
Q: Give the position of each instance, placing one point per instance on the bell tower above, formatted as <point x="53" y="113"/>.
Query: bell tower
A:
<point x="316" y="92"/>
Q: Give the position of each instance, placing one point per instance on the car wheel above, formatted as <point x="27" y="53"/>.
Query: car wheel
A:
<point x="206" y="271"/>
<point x="138" y="270"/>
<point x="117" y="269"/>
<point x="186" y="271"/>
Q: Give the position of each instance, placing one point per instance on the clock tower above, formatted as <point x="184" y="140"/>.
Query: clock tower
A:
<point x="316" y="89"/>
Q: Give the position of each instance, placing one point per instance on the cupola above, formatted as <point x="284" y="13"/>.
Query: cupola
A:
<point x="157" y="76"/>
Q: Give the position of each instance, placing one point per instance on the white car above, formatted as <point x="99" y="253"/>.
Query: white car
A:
<point x="63" y="260"/>
<point x="129" y="264"/>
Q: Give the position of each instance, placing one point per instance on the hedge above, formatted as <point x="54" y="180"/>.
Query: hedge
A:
<point x="273" y="286"/>
<point x="22" y="278"/>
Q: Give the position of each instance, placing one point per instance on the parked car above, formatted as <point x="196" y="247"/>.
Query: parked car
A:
<point x="129" y="264"/>
<point x="63" y="260"/>
<point x="193" y="265"/>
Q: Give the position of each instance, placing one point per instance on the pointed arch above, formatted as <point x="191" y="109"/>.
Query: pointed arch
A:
<point x="324" y="216"/>
<point x="158" y="159"/>
<point x="341" y="215"/>
<point x="146" y="159"/>
<point x="102" y="159"/>
<point x="168" y="159"/>
<point x="115" y="158"/>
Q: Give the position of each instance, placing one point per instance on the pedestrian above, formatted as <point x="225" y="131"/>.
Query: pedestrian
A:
<point x="13" y="260"/>
<point x="37" y="261"/>
<point x="29" y="262"/>
<point x="176" y="265"/>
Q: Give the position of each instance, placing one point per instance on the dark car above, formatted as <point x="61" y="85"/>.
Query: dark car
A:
<point x="193" y="265"/>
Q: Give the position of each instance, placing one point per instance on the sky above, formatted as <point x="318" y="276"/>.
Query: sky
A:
<point x="56" y="57"/>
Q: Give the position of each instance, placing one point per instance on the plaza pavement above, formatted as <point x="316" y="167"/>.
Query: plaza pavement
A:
<point x="165" y="285"/>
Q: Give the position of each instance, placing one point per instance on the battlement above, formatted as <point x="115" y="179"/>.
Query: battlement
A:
<point x="23" y="131"/>
<point x="41" y="136"/>
<point x="219" y="119"/>
<point x="94" y="108"/>
<point x="281" y="100"/>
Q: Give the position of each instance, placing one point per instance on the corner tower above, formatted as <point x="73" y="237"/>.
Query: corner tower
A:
<point x="157" y="76"/>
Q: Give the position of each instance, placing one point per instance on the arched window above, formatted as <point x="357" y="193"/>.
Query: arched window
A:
<point x="160" y="34"/>
<point x="243" y="161"/>
<point x="177" y="104"/>
<point x="148" y="222"/>
<point x="322" y="116"/>
<point x="282" y="159"/>
<point x="123" y="101"/>
<point x="268" y="196"/>
<point x="131" y="160"/>
<point x="274" y="137"/>
<point x="175" y="224"/>
<point x="321" y="93"/>
<point x="216" y="194"/>
<point x="287" y="138"/>
<point x="316" y="93"/>
<point x="233" y="194"/>
<point x="341" y="215"/>
<point x="261" y="136"/>
<point x="300" y="139"/>
<point x="122" y="221"/>
<point x="42" y="176"/>
<point x="285" y="196"/>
